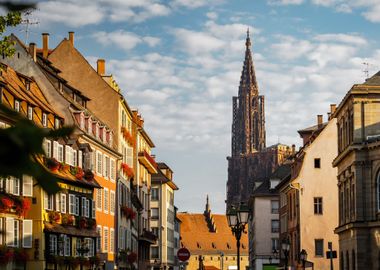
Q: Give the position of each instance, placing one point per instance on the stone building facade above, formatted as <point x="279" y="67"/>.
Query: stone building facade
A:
<point x="250" y="161"/>
<point x="358" y="164"/>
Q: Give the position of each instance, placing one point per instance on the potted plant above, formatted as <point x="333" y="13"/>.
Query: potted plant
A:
<point x="68" y="219"/>
<point x="23" y="206"/>
<point x="52" y="164"/>
<point x="6" y="203"/>
<point x="54" y="216"/>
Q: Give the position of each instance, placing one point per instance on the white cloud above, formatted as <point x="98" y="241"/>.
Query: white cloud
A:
<point x="194" y="3"/>
<point x="70" y="13"/>
<point x="86" y="12"/>
<point x="344" y="38"/>
<point x="124" y="40"/>
<point x="285" y="2"/>
<point x="212" y="15"/>
<point x="373" y="13"/>
<point x="290" y="48"/>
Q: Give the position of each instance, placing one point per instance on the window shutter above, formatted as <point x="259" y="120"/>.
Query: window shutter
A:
<point x="71" y="204"/>
<point x="67" y="154"/>
<point x="10" y="232"/>
<point x="99" y="199"/>
<point x="57" y="202"/>
<point x="9" y="184"/>
<point x="75" y="157"/>
<point x="77" y="206"/>
<point x="87" y="209"/>
<point x="16" y="186"/>
<point x="93" y="209"/>
<point x="63" y="203"/>
<point x="55" y="150"/>
<point x="27" y="233"/>
<point x="46" y="200"/>
<point x="83" y="206"/>
<point x="112" y="169"/>
<point x="80" y="157"/>
<point x="27" y="186"/>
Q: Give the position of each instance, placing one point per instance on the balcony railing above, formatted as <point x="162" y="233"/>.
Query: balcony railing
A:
<point x="148" y="161"/>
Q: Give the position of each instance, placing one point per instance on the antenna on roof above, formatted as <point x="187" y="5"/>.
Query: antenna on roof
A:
<point x="366" y="69"/>
<point x="28" y="21"/>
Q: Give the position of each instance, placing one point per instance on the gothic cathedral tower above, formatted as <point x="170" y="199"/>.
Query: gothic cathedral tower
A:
<point x="248" y="131"/>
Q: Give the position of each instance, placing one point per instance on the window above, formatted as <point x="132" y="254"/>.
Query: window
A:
<point x="154" y="252"/>
<point x="47" y="147"/>
<point x="112" y="202"/>
<point x="156" y="232"/>
<point x="17" y="105"/>
<point x="99" y="238"/>
<point x="27" y="186"/>
<point x="105" y="237"/>
<point x="274" y="207"/>
<point x="77" y="206"/>
<point x="106" y="166"/>
<point x="63" y="203"/>
<point x="53" y="244"/>
<point x="44" y="119"/>
<point x="318" y="206"/>
<point x="106" y="201"/>
<point x="90" y="244"/>
<point x="71" y="204"/>
<point x="93" y="209"/>
<point x="99" y="199"/>
<point x="112" y="170"/>
<point x="318" y="247"/>
<point x="99" y="161"/>
<point x="84" y="207"/>
<point x="275" y="225"/>
<point x="67" y="245"/>
<point x="12" y="185"/>
<point x="129" y="156"/>
<point x="48" y="201"/>
<point x="30" y="113"/>
<point x="112" y="240"/>
<point x="80" y="158"/>
<point x="12" y="232"/>
<point x="155" y="214"/>
<point x="155" y="194"/>
<point x="317" y="163"/>
<point x="275" y="244"/>
<point x="56" y="123"/>
<point x="27" y="230"/>
<point x="60" y="153"/>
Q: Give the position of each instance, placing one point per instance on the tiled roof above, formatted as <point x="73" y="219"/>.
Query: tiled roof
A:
<point x="196" y="236"/>
<point x="374" y="80"/>
<point x="34" y="96"/>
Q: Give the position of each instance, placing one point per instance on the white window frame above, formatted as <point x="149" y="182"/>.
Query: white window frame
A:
<point x="76" y="206"/>
<point x="112" y="240"/>
<point x="112" y="172"/>
<point x="99" y="238"/>
<point x="27" y="233"/>
<point x="99" y="199"/>
<point x="53" y="244"/>
<point x="112" y="202"/>
<point x="80" y="159"/>
<point x="63" y="203"/>
<point x="72" y="204"/>
<point x="17" y="106"/>
<point x="93" y="209"/>
<point x="60" y="155"/>
<point x="83" y="202"/>
<point x="106" y="201"/>
<point x="55" y="150"/>
<point x="30" y="112"/>
<point x="44" y="119"/>
<point x="87" y="209"/>
<point x="99" y="162"/>
<point x="105" y="239"/>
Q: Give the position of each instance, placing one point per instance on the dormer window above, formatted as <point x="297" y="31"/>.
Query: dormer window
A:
<point x="27" y="85"/>
<point x="30" y="113"/>
<point x="56" y="123"/>
<point x="44" y="119"/>
<point x="17" y="106"/>
<point x="104" y="135"/>
<point x="97" y="131"/>
<point x="110" y="139"/>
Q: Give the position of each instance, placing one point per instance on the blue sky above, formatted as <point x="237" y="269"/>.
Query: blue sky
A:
<point x="179" y="63"/>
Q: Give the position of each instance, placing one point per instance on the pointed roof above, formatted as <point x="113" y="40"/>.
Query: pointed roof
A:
<point x="248" y="75"/>
<point x="374" y="80"/>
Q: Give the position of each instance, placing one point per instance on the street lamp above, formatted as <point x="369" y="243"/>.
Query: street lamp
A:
<point x="237" y="219"/>
<point x="285" y="246"/>
<point x="303" y="257"/>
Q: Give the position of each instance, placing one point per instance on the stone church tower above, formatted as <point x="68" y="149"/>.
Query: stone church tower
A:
<point x="250" y="161"/>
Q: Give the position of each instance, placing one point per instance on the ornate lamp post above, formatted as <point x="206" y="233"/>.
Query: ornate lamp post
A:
<point x="237" y="219"/>
<point x="285" y="246"/>
<point x="303" y="257"/>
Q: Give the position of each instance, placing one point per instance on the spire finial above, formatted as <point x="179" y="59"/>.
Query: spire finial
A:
<point x="207" y="204"/>
<point x="248" y="40"/>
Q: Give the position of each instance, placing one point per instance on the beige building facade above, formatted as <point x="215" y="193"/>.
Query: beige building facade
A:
<point x="358" y="164"/>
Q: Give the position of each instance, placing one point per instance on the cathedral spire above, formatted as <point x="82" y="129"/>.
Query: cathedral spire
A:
<point x="248" y="126"/>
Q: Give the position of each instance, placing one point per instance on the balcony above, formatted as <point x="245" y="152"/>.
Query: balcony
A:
<point x="148" y="161"/>
<point x="148" y="236"/>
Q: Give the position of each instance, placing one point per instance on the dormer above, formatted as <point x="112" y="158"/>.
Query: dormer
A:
<point x="110" y="138"/>
<point x="101" y="133"/>
<point x="95" y="129"/>
<point x="82" y="120"/>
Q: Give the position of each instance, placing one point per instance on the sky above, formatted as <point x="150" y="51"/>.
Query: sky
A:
<point x="179" y="63"/>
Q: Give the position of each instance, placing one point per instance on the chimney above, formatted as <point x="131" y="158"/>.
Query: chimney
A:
<point x="33" y="51"/>
<point x="320" y="120"/>
<point x="45" y="45"/>
<point x="332" y="108"/>
<point x="101" y="67"/>
<point x="71" y="38"/>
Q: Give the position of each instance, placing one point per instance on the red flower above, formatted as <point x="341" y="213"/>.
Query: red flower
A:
<point x="23" y="207"/>
<point x="127" y="170"/>
<point x="7" y="202"/>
